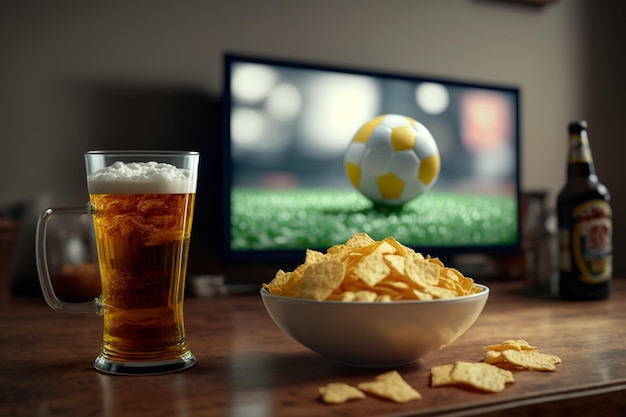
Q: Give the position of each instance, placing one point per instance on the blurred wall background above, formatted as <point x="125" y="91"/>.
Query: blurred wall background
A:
<point x="78" y="75"/>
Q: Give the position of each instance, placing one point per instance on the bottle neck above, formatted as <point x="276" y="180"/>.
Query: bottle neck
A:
<point x="580" y="161"/>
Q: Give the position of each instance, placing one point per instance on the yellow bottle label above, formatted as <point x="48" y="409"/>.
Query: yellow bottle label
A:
<point x="592" y="250"/>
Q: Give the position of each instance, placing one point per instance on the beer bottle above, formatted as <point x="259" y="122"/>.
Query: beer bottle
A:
<point x="585" y="225"/>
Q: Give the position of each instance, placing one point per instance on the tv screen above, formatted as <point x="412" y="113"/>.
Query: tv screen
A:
<point x="287" y="127"/>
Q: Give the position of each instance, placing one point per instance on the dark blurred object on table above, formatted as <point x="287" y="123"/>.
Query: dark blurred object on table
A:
<point x="539" y="243"/>
<point x="9" y="228"/>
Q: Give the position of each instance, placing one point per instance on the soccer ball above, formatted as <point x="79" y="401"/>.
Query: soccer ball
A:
<point x="392" y="159"/>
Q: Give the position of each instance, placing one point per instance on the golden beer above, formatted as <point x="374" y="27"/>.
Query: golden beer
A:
<point x="142" y="204"/>
<point x="143" y="243"/>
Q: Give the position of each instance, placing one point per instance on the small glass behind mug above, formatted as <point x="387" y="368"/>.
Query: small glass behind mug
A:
<point x="141" y="204"/>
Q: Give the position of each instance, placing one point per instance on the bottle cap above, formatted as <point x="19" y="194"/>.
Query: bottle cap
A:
<point x="577" y="127"/>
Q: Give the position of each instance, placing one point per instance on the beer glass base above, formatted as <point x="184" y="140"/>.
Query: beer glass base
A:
<point x="144" y="368"/>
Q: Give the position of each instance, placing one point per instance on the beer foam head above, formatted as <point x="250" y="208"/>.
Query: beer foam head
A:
<point x="141" y="178"/>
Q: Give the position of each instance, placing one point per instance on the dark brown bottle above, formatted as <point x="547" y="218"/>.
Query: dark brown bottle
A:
<point x="585" y="225"/>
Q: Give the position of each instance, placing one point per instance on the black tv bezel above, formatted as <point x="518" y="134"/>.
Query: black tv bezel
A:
<point x="284" y="258"/>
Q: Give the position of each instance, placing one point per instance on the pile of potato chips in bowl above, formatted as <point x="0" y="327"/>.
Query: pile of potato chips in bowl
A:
<point x="373" y="303"/>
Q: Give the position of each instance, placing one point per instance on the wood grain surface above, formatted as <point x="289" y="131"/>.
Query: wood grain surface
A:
<point x="248" y="367"/>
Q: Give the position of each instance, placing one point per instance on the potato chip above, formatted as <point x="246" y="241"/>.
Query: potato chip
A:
<point x="451" y="284"/>
<point x="519" y="344"/>
<point x="372" y="269"/>
<point x="396" y="262"/>
<point x="312" y="256"/>
<point x="386" y="268"/>
<point x="279" y="281"/>
<point x="493" y="357"/>
<point x="519" y="353"/>
<point x="385" y="248"/>
<point x="343" y="296"/>
<point x="436" y="261"/>
<point x="340" y="392"/>
<point x="440" y="375"/>
<point x="439" y="292"/>
<point x="383" y="298"/>
<point x="422" y="273"/>
<point x="416" y="256"/>
<point x="284" y="283"/>
<point x="340" y="251"/>
<point x="531" y="359"/>
<point x="398" y="285"/>
<point x="391" y="386"/>
<point x="359" y="240"/>
<point x="422" y="295"/>
<point x="400" y="248"/>
<point x="365" y="295"/>
<point x="480" y="375"/>
<point x="395" y="290"/>
<point x="320" y="279"/>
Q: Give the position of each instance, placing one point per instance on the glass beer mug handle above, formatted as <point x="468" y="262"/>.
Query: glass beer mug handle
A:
<point x="42" y="262"/>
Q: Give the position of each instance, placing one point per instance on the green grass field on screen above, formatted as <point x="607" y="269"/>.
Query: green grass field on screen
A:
<point x="319" y="218"/>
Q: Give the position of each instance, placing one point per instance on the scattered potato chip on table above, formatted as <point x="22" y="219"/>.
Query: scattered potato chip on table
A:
<point x="519" y="353"/>
<point x="479" y="375"/>
<point x="490" y="375"/>
<point x="487" y="376"/>
<point x="340" y="392"/>
<point x="389" y="386"/>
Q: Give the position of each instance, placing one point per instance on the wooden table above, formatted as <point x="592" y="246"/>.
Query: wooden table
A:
<point x="248" y="367"/>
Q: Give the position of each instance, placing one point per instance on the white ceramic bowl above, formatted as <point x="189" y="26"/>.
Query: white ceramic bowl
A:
<point x="375" y="334"/>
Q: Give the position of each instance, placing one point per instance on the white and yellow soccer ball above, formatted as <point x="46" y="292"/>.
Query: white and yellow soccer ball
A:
<point x="392" y="159"/>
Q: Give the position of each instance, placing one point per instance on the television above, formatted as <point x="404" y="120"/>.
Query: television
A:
<point x="286" y="126"/>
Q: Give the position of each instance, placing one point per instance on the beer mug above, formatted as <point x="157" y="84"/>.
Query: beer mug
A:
<point x="141" y="204"/>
